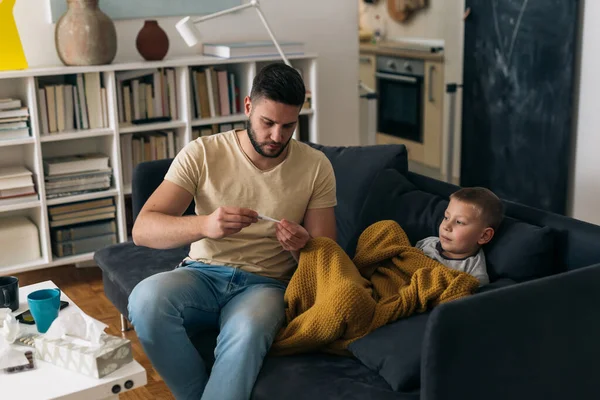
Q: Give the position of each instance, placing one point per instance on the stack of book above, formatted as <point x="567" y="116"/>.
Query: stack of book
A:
<point x="16" y="185"/>
<point x="78" y="102"/>
<point x="147" y="95"/>
<point x="82" y="227"/>
<point x="14" y="119"/>
<point x="215" y="92"/>
<point x="77" y="174"/>
<point x="149" y="146"/>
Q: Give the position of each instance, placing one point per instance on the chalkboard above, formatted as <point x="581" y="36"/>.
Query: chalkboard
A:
<point x="517" y="99"/>
<point x="130" y="9"/>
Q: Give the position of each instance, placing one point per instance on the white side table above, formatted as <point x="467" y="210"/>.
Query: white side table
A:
<point x="47" y="381"/>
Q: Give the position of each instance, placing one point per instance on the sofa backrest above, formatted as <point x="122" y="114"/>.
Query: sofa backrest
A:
<point x="147" y="176"/>
<point x="355" y="168"/>
<point x="575" y="241"/>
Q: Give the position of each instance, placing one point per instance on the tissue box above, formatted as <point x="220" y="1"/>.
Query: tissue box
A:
<point x="76" y="355"/>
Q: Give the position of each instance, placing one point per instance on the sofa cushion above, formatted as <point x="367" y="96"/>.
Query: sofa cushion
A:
<point x="126" y="264"/>
<point x="321" y="376"/>
<point x="354" y="169"/>
<point x="394" y="350"/>
<point x="518" y="251"/>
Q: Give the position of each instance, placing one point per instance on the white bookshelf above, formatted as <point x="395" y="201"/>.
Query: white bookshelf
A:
<point x="31" y="151"/>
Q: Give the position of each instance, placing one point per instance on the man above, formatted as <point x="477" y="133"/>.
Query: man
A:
<point x="235" y="275"/>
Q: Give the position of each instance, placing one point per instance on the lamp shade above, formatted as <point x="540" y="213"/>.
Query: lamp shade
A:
<point x="188" y="31"/>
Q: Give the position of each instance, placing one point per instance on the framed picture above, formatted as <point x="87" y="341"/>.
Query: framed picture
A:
<point x="134" y="9"/>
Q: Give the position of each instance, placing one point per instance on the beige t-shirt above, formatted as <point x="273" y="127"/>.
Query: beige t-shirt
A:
<point x="217" y="172"/>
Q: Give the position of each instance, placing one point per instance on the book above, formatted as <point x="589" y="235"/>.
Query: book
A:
<point x="83" y="213"/>
<point x="77" y="162"/>
<point x="251" y="49"/>
<point x="23" y="198"/>
<point x="9" y="134"/>
<point x="78" y="220"/>
<point x="15" y="177"/>
<point x="84" y="231"/>
<point x="73" y="247"/>
<point x="9" y="104"/>
<point x="12" y="125"/>
<point x="18" y="191"/>
<point x="18" y="112"/>
<point x="78" y="206"/>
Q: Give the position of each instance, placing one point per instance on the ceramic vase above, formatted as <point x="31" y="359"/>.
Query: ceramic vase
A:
<point x="152" y="42"/>
<point x="84" y="35"/>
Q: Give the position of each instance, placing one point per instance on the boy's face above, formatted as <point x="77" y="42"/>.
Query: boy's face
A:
<point x="462" y="231"/>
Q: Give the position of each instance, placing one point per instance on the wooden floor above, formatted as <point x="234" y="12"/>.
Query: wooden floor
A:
<point x="84" y="287"/>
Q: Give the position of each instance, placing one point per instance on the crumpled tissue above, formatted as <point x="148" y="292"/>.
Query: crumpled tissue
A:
<point x="77" y="342"/>
<point x="82" y="329"/>
<point x="9" y="331"/>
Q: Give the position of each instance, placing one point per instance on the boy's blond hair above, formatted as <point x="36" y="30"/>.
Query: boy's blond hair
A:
<point x="489" y="205"/>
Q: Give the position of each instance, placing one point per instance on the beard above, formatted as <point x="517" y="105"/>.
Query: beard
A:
<point x="258" y="147"/>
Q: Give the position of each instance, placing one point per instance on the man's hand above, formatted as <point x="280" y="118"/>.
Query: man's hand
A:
<point x="225" y="221"/>
<point x="293" y="237"/>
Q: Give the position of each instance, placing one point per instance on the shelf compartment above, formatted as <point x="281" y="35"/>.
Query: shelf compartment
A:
<point x="81" y="134"/>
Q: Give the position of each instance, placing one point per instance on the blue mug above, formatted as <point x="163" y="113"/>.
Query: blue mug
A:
<point x="44" y="305"/>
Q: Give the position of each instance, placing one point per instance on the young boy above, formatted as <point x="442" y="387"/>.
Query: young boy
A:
<point x="472" y="217"/>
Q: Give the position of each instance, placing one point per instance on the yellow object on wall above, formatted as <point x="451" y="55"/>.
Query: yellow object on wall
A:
<point x="11" y="50"/>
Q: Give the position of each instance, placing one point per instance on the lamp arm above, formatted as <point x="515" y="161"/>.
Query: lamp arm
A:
<point x="264" y="21"/>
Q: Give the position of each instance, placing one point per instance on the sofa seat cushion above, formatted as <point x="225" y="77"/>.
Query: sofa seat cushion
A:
<point x="126" y="264"/>
<point x="321" y="376"/>
<point x="518" y="251"/>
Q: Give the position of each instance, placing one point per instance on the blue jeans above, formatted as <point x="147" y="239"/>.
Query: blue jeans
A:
<point x="248" y="309"/>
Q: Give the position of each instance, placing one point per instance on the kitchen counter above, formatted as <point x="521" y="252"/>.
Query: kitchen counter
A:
<point x="392" y="49"/>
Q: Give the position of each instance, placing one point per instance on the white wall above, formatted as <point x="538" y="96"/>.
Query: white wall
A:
<point x="440" y="20"/>
<point x="329" y="28"/>
<point x="585" y="177"/>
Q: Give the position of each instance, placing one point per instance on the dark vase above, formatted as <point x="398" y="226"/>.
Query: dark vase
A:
<point x="152" y="42"/>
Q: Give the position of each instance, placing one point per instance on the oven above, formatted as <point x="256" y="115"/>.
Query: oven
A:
<point x="400" y="89"/>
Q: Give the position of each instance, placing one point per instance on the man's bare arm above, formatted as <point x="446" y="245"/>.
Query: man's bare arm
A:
<point x="160" y="223"/>
<point x="318" y="222"/>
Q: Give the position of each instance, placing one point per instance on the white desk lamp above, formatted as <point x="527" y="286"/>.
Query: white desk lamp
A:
<point x="190" y="34"/>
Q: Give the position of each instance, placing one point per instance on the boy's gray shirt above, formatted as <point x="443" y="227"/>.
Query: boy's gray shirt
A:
<point x="474" y="265"/>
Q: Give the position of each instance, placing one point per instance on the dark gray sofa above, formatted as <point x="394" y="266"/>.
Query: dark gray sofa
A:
<point x="534" y="332"/>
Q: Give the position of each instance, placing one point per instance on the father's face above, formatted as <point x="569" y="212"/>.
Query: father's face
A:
<point x="271" y="125"/>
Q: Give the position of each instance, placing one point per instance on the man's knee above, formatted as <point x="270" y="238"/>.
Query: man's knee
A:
<point x="149" y="297"/>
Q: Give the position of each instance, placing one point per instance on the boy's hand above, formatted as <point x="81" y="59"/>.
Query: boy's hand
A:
<point x="225" y="221"/>
<point x="292" y="236"/>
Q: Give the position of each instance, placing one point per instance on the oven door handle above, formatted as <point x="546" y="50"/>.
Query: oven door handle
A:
<point x="398" y="78"/>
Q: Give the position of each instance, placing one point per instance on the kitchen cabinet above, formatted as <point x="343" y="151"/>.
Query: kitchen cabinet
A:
<point x="433" y="114"/>
<point x="366" y="70"/>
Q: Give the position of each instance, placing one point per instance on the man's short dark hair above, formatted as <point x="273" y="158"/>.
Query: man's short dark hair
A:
<point x="489" y="205"/>
<point x="280" y="83"/>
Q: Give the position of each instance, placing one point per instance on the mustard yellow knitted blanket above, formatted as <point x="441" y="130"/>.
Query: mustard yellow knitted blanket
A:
<point x="332" y="300"/>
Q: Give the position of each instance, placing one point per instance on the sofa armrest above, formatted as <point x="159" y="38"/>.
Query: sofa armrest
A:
<point x="535" y="340"/>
